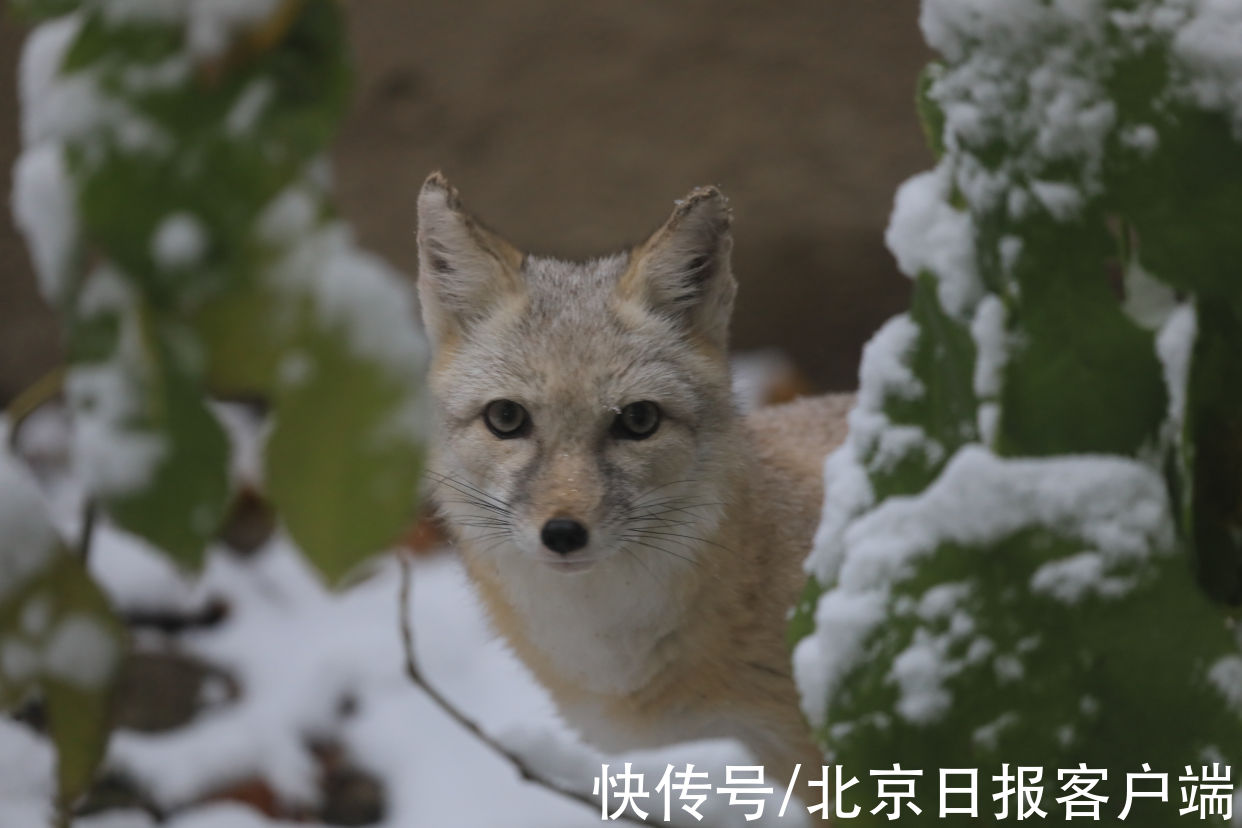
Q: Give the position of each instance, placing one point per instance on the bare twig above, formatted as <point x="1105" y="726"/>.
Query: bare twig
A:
<point x="31" y="399"/>
<point x="513" y="758"/>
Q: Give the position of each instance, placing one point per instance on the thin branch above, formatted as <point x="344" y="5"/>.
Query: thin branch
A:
<point x="30" y="399"/>
<point x="416" y="676"/>
<point x="89" y="510"/>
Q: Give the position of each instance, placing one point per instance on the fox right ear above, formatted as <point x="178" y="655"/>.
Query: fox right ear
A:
<point x="463" y="268"/>
<point x="683" y="272"/>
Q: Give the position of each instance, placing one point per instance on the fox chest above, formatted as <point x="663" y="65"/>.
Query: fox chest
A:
<point x="603" y="632"/>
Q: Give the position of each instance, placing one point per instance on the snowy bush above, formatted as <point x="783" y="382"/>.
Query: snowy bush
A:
<point x="1033" y="536"/>
<point x="174" y="195"/>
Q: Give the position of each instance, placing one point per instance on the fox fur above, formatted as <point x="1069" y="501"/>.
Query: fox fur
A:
<point x="669" y="623"/>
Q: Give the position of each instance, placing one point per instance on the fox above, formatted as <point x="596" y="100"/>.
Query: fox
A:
<point x="636" y="540"/>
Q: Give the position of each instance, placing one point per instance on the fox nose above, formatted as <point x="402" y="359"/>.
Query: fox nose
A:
<point x="563" y="535"/>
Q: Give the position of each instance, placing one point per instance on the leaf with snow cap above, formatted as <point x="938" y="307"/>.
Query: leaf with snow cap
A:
<point x="1081" y="224"/>
<point x="58" y="636"/>
<point x="992" y="619"/>
<point x="144" y="441"/>
<point x="329" y="338"/>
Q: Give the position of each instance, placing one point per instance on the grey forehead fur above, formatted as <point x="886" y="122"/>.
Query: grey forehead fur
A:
<point x="568" y="329"/>
<point x="556" y="287"/>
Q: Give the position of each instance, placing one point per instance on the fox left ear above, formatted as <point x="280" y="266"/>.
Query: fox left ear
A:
<point x="683" y="270"/>
<point x="465" y="270"/>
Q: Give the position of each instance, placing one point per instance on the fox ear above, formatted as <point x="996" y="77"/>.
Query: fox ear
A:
<point x="464" y="270"/>
<point x="683" y="269"/>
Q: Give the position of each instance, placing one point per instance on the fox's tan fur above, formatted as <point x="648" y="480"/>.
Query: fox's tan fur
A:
<point x="675" y="628"/>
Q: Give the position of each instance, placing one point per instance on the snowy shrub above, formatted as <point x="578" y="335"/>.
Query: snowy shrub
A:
<point x="174" y="194"/>
<point x="1033" y="536"/>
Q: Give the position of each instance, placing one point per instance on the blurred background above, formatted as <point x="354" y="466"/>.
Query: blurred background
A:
<point x="571" y="127"/>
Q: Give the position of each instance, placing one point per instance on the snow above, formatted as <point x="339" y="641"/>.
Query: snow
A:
<point x="1071" y="579"/>
<point x="1208" y="46"/>
<point x="80" y="652"/>
<point x="1226" y="676"/>
<point x="27" y="765"/>
<point x="1148" y="301"/>
<point x="1174" y="345"/>
<point x="298" y="651"/>
<point x="1062" y="200"/>
<point x="44" y="210"/>
<point x="179" y="241"/>
<point x="1116" y="506"/>
<point x="113" y="457"/>
<point x="988" y="736"/>
<point x="1115" y="503"/>
<point x="29" y="539"/>
<point x="920" y="671"/>
<point x="249" y="107"/>
<point x="356" y="292"/>
<point x="927" y="234"/>
<point x="991" y="346"/>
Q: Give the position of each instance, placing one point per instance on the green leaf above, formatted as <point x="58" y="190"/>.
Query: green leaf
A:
<point x="942" y="360"/>
<point x="179" y="499"/>
<point x="1061" y="684"/>
<point x="341" y="467"/>
<point x="931" y="118"/>
<point x="31" y="10"/>
<point x="1084" y="376"/>
<point x="1212" y="452"/>
<point x="58" y="635"/>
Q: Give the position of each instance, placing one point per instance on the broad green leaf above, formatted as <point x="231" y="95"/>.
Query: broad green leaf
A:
<point x="342" y="468"/>
<point x="1212" y="452"/>
<point x="1054" y="684"/>
<point x="58" y="636"/>
<point x="158" y="458"/>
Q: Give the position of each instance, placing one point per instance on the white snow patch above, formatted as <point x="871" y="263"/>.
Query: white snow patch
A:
<point x="45" y="211"/>
<point x="1062" y="200"/>
<point x="1208" y="46"/>
<point x="29" y="539"/>
<point x="926" y="233"/>
<point x="1226" y="676"/>
<point x="843" y="624"/>
<point x="249" y="107"/>
<point x="80" y="652"/>
<point x="1149" y="301"/>
<point x="847" y="493"/>
<point x="1117" y="506"/>
<point x="1008" y="668"/>
<point x="1071" y="579"/>
<point x="1141" y="137"/>
<point x="920" y="672"/>
<point x="1174" y="345"/>
<point x="179" y="241"/>
<point x="27" y="767"/>
<point x="987" y="737"/>
<point x="991" y="346"/>
<point x="112" y="456"/>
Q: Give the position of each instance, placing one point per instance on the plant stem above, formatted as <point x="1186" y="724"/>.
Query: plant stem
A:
<point x="32" y="398"/>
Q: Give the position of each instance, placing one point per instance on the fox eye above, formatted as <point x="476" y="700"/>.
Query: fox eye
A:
<point x="637" y="421"/>
<point x="506" y="419"/>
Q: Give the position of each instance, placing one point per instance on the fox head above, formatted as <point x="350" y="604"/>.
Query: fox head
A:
<point x="584" y="410"/>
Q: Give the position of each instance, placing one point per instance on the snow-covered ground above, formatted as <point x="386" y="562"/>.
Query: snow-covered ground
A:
<point x="315" y="665"/>
<point x="298" y="650"/>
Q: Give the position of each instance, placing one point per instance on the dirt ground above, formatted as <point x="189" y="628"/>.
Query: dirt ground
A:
<point x="571" y="127"/>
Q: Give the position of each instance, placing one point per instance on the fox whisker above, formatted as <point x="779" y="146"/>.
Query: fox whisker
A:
<point x="652" y="545"/>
